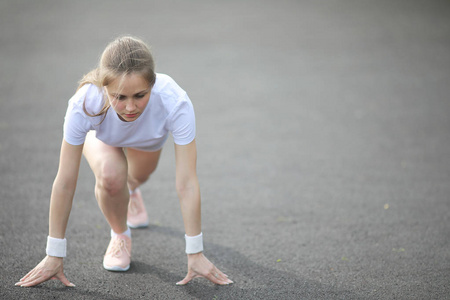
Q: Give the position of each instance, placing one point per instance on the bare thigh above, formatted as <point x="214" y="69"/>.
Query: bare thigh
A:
<point x="113" y="164"/>
<point x="141" y="164"/>
<point x="108" y="163"/>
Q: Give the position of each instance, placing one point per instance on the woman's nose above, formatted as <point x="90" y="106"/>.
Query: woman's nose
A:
<point x="130" y="106"/>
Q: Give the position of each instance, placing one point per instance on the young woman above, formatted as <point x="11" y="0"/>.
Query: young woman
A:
<point x="119" y="119"/>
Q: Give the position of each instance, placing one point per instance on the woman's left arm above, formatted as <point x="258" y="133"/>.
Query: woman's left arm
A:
<point x="188" y="191"/>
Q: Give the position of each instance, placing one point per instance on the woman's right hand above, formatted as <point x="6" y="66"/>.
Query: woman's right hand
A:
<point x="49" y="268"/>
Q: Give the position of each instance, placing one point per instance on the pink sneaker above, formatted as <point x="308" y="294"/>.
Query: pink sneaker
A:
<point x="118" y="254"/>
<point x="137" y="214"/>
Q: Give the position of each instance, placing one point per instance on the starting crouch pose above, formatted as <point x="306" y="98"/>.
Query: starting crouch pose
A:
<point x="119" y="119"/>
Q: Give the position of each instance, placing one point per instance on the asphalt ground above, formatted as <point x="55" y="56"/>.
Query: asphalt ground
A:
<point x="323" y="132"/>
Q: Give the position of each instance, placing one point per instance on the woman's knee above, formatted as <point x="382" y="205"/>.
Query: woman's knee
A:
<point x="112" y="179"/>
<point x="139" y="179"/>
<point x="141" y="165"/>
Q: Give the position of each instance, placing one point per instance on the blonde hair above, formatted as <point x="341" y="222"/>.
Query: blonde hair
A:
<point x="123" y="56"/>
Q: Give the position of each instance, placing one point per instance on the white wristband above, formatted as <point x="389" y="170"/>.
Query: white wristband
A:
<point x="194" y="244"/>
<point x="56" y="247"/>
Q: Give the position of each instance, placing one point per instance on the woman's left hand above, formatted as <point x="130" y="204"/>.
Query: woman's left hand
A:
<point x="200" y="266"/>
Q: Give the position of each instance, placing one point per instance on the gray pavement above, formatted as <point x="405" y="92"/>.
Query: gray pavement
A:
<point x="323" y="135"/>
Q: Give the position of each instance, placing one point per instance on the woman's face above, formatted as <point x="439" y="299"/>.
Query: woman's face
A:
<point x="128" y="96"/>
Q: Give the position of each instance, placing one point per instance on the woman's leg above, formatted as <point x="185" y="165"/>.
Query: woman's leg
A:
<point x="141" y="165"/>
<point x="109" y="165"/>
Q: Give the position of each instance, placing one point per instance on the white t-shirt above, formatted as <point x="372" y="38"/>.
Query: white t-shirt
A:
<point x="168" y="110"/>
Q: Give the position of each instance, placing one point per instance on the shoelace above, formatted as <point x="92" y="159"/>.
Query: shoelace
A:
<point x="117" y="247"/>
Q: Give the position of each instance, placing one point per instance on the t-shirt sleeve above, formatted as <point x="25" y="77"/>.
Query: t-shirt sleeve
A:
<point x="182" y="123"/>
<point x="76" y="125"/>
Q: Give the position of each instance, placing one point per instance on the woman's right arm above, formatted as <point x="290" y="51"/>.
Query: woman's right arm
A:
<point x="64" y="189"/>
<point x="60" y="207"/>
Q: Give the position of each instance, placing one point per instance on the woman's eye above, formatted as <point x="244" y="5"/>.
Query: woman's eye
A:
<point x="140" y="96"/>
